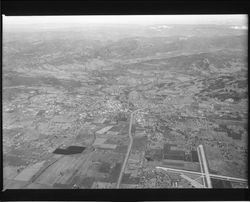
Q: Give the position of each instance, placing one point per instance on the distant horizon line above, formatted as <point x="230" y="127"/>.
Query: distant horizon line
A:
<point x="220" y="19"/>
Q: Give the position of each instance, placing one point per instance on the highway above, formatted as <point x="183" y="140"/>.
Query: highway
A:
<point x="129" y="148"/>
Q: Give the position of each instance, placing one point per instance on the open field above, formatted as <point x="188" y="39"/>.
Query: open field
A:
<point x="105" y="105"/>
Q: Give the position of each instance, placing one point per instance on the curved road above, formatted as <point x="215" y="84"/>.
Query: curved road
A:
<point x="129" y="149"/>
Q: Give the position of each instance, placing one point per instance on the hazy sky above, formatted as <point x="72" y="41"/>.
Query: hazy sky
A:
<point x="131" y="19"/>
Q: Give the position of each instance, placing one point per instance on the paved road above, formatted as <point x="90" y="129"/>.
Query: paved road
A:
<point x="223" y="177"/>
<point x="205" y="165"/>
<point x="129" y="148"/>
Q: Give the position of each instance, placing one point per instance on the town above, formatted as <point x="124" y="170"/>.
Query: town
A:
<point x="125" y="121"/>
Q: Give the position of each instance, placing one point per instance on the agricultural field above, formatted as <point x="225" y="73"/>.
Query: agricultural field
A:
<point x="104" y="106"/>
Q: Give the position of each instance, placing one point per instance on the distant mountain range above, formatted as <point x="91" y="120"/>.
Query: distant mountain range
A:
<point x="59" y="51"/>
